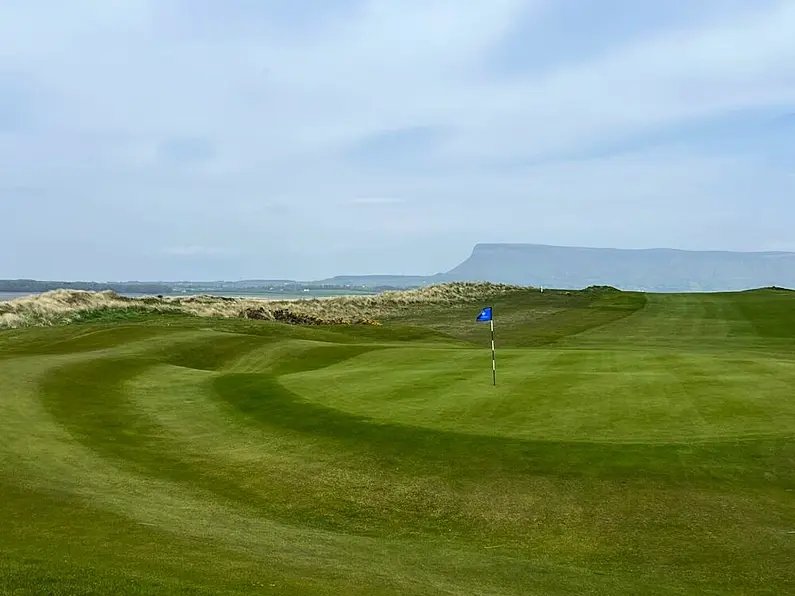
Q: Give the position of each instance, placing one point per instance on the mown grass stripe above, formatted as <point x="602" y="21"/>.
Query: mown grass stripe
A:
<point x="263" y="400"/>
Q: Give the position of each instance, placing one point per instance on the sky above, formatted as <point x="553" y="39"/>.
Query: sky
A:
<point x="300" y="139"/>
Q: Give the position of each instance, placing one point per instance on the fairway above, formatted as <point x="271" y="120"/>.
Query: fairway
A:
<point x="634" y="444"/>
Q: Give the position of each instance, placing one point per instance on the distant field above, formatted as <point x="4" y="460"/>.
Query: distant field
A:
<point x="634" y="444"/>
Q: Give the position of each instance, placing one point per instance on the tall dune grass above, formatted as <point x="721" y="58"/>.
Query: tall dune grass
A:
<point x="67" y="306"/>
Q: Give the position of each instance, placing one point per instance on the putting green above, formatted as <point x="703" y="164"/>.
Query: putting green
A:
<point x="681" y="369"/>
<point x="633" y="445"/>
<point x="564" y="395"/>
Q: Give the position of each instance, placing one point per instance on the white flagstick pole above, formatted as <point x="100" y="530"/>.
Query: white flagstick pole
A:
<point x="493" y="356"/>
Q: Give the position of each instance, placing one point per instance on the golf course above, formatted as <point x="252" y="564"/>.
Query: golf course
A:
<point x="634" y="444"/>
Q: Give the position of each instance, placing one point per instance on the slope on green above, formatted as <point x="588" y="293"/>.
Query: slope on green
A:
<point x="634" y="444"/>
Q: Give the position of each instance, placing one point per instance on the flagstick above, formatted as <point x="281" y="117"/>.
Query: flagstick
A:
<point x="493" y="356"/>
<point x="487" y="314"/>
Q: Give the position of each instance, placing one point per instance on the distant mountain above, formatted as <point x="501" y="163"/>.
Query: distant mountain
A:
<point x="394" y="281"/>
<point x="661" y="270"/>
<point x="563" y="267"/>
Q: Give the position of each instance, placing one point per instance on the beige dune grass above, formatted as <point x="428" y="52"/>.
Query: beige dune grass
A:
<point x="65" y="306"/>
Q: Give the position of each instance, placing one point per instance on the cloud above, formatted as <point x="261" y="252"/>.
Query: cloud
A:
<point x="250" y="125"/>
<point x="196" y="251"/>
<point x="18" y="97"/>
<point x="376" y="201"/>
<point x="409" y="147"/>
<point x="187" y="150"/>
<point x="209" y="20"/>
<point x="541" y="40"/>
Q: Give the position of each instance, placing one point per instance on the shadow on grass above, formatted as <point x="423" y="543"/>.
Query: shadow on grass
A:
<point x="261" y="399"/>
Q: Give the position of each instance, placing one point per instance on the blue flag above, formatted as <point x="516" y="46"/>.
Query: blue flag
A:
<point x="485" y="314"/>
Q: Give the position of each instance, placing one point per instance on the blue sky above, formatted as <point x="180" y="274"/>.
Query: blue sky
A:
<point x="209" y="139"/>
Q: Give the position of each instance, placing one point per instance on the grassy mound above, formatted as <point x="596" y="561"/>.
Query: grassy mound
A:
<point x="634" y="444"/>
<point x="67" y="306"/>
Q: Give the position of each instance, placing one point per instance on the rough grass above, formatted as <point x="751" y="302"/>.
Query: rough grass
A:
<point x="634" y="445"/>
<point x="67" y="306"/>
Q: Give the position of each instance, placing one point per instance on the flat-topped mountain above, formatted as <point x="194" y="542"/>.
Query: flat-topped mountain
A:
<point x="564" y="267"/>
<point x="659" y="269"/>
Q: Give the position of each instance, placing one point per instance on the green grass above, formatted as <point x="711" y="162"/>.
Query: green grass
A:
<point x="634" y="444"/>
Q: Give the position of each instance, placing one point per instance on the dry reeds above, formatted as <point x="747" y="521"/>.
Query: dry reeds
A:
<point x="65" y="306"/>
